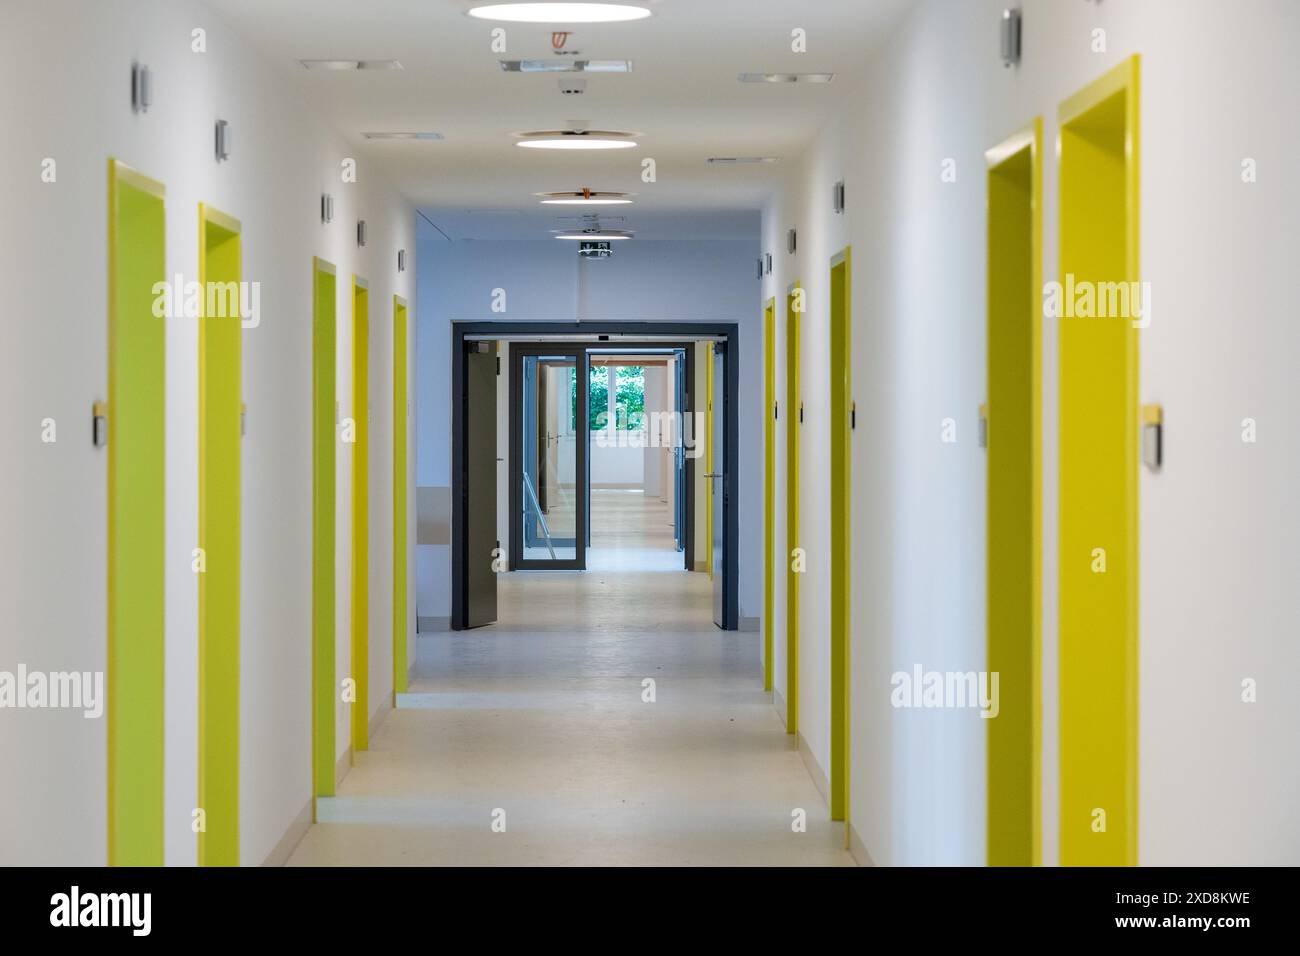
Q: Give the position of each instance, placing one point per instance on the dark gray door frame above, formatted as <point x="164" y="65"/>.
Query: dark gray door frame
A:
<point x="582" y="459"/>
<point x="461" y="331"/>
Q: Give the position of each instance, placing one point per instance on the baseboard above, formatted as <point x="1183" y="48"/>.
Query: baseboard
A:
<point x="819" y="777"/>
<point x="701" y="566"/>
<point x="858" y="849"/>
<point x="344" y="765"/>
<point x="380" y="712"/>
<point x="298" y="828"/>
<point x="423" y="624"/>
<point x="749" y="624"/>
<point x="779" y="703"/>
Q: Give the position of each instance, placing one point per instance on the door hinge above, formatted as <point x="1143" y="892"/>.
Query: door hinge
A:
<point x="801" y="413"/>
<point x="853" y="416"/>
<point x="984" y="426"/>
<point x="776" y="410"/>
<point x="498" y="364"/>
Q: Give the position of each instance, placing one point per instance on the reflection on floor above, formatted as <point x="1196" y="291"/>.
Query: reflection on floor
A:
<point x="632" y="531"/>
<point x="540" y="721"/>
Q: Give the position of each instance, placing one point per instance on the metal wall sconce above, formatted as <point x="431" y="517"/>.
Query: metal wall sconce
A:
<point x="361" y="232"/>
<point x="837" y="197"/>
<point x="1010" y="37"/>
<point x="768" y="262"/>
<point x="791" y="241"/>
<point x="401" y="260"/>
<point x="223" y="140"/>
<point x="326" y="207"/>
<point x="141" y="88"/>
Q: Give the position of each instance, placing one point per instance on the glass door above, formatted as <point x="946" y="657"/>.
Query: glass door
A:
<point x="549" y="481"/>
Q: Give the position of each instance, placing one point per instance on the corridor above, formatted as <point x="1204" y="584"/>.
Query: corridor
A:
<point x="649" y="432"/>
<point x="541" y="715"/>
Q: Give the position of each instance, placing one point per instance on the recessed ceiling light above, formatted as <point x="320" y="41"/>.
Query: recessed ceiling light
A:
<point x="576" y="139"/>
<point x="595" y="234"/>
<point x="786" y="77"/>
<point x="566" y="66"/>
<point x="739" y="160"/>
<point x="560" y="12"/>
<point x="408" y="136"/>
<point x="350" y="64"/>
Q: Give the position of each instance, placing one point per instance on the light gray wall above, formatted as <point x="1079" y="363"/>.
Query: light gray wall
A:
<point x="1218" y="525"/>
<point x="546" y="281"/>
<point x="75" y="108"/>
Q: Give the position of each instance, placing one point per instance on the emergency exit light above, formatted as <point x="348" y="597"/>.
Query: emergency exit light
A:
<point x="595" y="249"/>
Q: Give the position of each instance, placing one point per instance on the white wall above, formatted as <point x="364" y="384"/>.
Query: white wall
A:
<point x="1219" y="562"/>
<point x="53" y="505"/>
<point x="652" y="281"/>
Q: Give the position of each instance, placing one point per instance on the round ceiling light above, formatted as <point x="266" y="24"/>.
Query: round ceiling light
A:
<point x="560" y="12"/>
<point x="585" y="197"/>
<point x="576" y="139"/>
<point x="596" y="235"/>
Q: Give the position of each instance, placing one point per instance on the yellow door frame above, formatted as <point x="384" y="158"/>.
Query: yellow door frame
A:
<point x="220" y="433"/>
<point x="842" y="415"/>
<point x="361" y="513"/>
<point x="769" y="488"/>
<point x="1099" y="422"/>
<point x="794" y="415"/>
<point x="400" y="400"/>
<point x="136" y="416"/>
<point x="324" y="488"/>
<point x="1013" y="419"/>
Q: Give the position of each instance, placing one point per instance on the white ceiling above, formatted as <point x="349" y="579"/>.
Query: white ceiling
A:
<point x="682" y="96"/>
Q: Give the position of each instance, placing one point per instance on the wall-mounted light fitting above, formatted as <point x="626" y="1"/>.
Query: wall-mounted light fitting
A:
<point x="1010" y="37"/>
<point x="791" y="241"/>
<point x="361" y="232"/>
<point x="837" y="197"/>
<point x="401" y="260"/>
<point x="141" y="87"/>
<point x="326" y="207"/>
<point x="223" y="140"/>
<point x="767" y="256"/>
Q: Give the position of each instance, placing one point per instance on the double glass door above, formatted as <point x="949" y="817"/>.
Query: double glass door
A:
<point x="549" y="387"/>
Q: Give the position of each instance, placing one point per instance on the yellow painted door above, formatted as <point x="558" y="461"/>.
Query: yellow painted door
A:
<point x="1098" y="472"/>
<point x="136" y="426"/>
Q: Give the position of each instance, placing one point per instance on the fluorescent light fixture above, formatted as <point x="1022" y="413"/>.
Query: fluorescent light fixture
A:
<point x="560" y="12"/>
<point x="593" y="236"/>
<point x="586" y="202"/>
<point x="741" y="160"/>
<point x="786" y="77"/>
<point x="405" y="136"/>
<point x="566" y="66"/>
<point x="350" y="65"/>
<point x="576" y="139"/>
